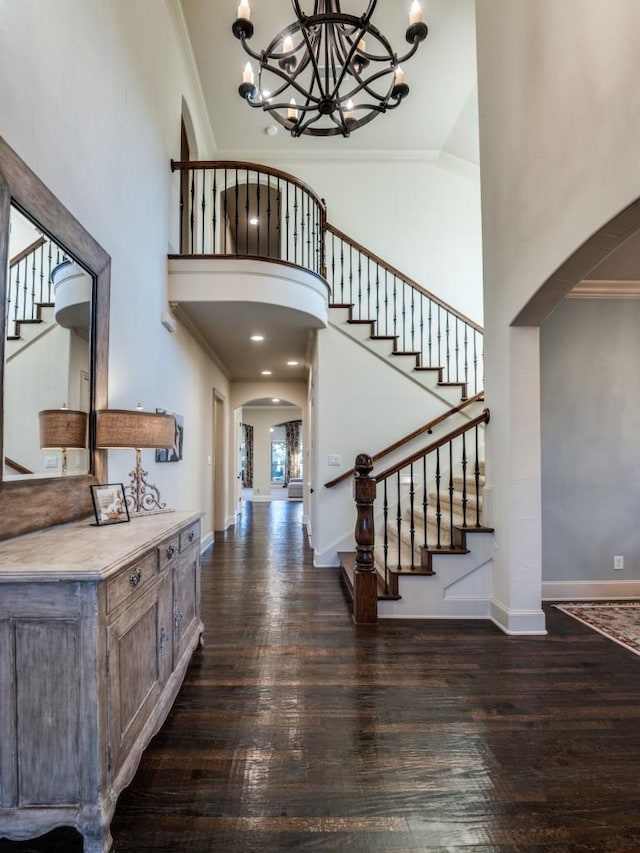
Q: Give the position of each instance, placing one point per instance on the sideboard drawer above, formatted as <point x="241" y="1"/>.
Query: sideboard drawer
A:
<point x="190" y="535"/>
<point x="168" y="551"/>
<point x="131" y="580"/>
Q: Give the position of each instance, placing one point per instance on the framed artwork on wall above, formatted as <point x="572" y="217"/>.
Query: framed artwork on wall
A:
<point x="172" y="454"/>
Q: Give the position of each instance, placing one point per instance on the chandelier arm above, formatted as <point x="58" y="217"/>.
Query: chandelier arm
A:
<point x="408" y="54"/>
<point x="248" y="50"/>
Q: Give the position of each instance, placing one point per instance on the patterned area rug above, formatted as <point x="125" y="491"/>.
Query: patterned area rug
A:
<point x="619" y="621"/>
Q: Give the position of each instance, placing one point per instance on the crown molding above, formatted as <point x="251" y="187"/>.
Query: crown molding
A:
<point x="605" y="289"/>
<point x="326" y="156"/>
<point x="177" y="13"/>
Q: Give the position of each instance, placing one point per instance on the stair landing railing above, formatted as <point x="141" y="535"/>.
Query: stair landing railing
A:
<point x="29" y="284"/>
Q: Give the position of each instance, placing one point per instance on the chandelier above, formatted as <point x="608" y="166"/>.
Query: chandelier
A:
<point x="327" y="73"/>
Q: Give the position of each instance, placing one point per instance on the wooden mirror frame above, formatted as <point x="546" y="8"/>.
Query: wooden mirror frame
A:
<point x="28" y="505"/>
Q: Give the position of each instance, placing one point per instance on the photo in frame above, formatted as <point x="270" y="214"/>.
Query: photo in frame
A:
<point x="172" y="454"/>
<point x="109" y="503"/>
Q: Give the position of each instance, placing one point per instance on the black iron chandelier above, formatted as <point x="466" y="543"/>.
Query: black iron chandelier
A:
<point x="327" y="73"/>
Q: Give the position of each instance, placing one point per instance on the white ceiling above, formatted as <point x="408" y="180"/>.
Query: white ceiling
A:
<point x="439" y="114"/>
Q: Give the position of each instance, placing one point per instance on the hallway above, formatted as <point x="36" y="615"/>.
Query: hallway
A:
<point x="295" y="730"/>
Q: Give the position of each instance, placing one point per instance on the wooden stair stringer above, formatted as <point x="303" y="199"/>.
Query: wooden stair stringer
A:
<point x="385" y="347"/>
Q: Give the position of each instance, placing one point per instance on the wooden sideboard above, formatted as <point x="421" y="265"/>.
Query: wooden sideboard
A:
<point x="97" y="628"/>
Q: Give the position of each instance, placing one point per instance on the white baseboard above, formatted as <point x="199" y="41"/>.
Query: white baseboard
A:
<point x="589" y="590"/>
<point x="206" y="541"/>
<point x="517" y="622"/>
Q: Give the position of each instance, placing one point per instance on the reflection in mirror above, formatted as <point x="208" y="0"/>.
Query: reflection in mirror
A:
<point x="47" y="350"/>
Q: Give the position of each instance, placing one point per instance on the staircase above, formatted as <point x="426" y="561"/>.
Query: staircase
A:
<point x="427" y="556"/>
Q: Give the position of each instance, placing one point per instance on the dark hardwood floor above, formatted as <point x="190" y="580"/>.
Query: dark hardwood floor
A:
<point x="296" y="730"/>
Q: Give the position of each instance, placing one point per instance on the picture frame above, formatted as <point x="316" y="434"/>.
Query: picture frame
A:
<point x="109" y="503"/>
<point x="172" y="454"/>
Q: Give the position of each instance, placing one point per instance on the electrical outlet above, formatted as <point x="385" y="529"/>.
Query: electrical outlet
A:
<point x="618" y="563"/>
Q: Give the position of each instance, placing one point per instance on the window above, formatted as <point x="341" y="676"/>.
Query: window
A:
<point x="278" y="460"/>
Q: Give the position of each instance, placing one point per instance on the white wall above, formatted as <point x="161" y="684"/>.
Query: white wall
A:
<point x="362" y="405"/>
<point x="559" y="121"/>
<point x="116" y="72"/>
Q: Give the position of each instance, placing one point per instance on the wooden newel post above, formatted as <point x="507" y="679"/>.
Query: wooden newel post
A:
<point x="365" y="599"/>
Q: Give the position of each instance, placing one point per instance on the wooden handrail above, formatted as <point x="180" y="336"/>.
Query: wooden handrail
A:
<point x="20" y="257"/>
<point x="239" y="165"/>
<point x="10" y="463"/>
<point x="480" y="419"/>
<point x="407" y="438"/>
<point x="396" y="272"/>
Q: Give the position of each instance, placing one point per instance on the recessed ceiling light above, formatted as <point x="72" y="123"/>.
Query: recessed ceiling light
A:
<point x="266" y="372"/>
<point x="257" y="337"/>
<point x="254" y="220"/>
<point x="275" y="399"/>
<point x="292" y="363"/>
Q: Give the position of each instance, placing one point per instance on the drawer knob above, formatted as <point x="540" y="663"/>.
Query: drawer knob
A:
<point x="170" y="552"/>
<point x="191" y="535"/>
<point x="134" y="579"/>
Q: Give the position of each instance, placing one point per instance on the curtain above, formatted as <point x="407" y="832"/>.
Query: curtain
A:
<point x="247" y="471"/>
<point x="292" y="469"/>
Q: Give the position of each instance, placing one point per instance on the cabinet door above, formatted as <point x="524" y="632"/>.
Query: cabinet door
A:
<point x="139" y="664"/>
<point x="186" y="601"/>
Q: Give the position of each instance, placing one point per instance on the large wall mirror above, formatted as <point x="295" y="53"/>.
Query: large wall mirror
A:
<point x="54" y="280"/>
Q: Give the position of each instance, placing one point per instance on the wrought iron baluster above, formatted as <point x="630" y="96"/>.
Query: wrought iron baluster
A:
<point x="258" y="216"/>
<point x="465" y="345"/>
<point x="447" y="372"/>
<point x="268" y="216"/>
<point x="224" y="228"/>
<point x="41" y="274"/>
<point x="413" y="319"/>
<point x="412" y="521"/>
<point x="439" y="336"/>
<point x="457" y="346"/>
<point x="451" y="490"/>
<point x="378" y="324"/>
<point x="309" y="231"/>
<point x="385" y="541"/>
<point x="287" y="217"/>
<point x="438" y="509"/>
<point x="422" y="348"/>
<point x="279" y="217"/>
<point x="295" y="224"/>
<point x="386" y="301"/>
<point x="477" y="477"/>
<point x="359" y="285"/>
<point x="425" y="499"/>
<point x="404" y="315"/>
<point x="214" y="211"/>
<point x="203" y="209"/>
<point x="247" y="209"/>
<point x="192" y="206"/>
<point x="464" y="479"/>
<point x="399" y="520"/>
<point x="350" y="274"/>
<point x="25" y="275"/>
<point x="236" y="215"/>
<point x="395" y="311"/>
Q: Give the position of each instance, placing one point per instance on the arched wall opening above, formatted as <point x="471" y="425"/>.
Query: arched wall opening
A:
<point x="588" y="314"/>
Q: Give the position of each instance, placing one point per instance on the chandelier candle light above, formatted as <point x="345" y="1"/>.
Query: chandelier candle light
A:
<point x="327" y="73"/>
